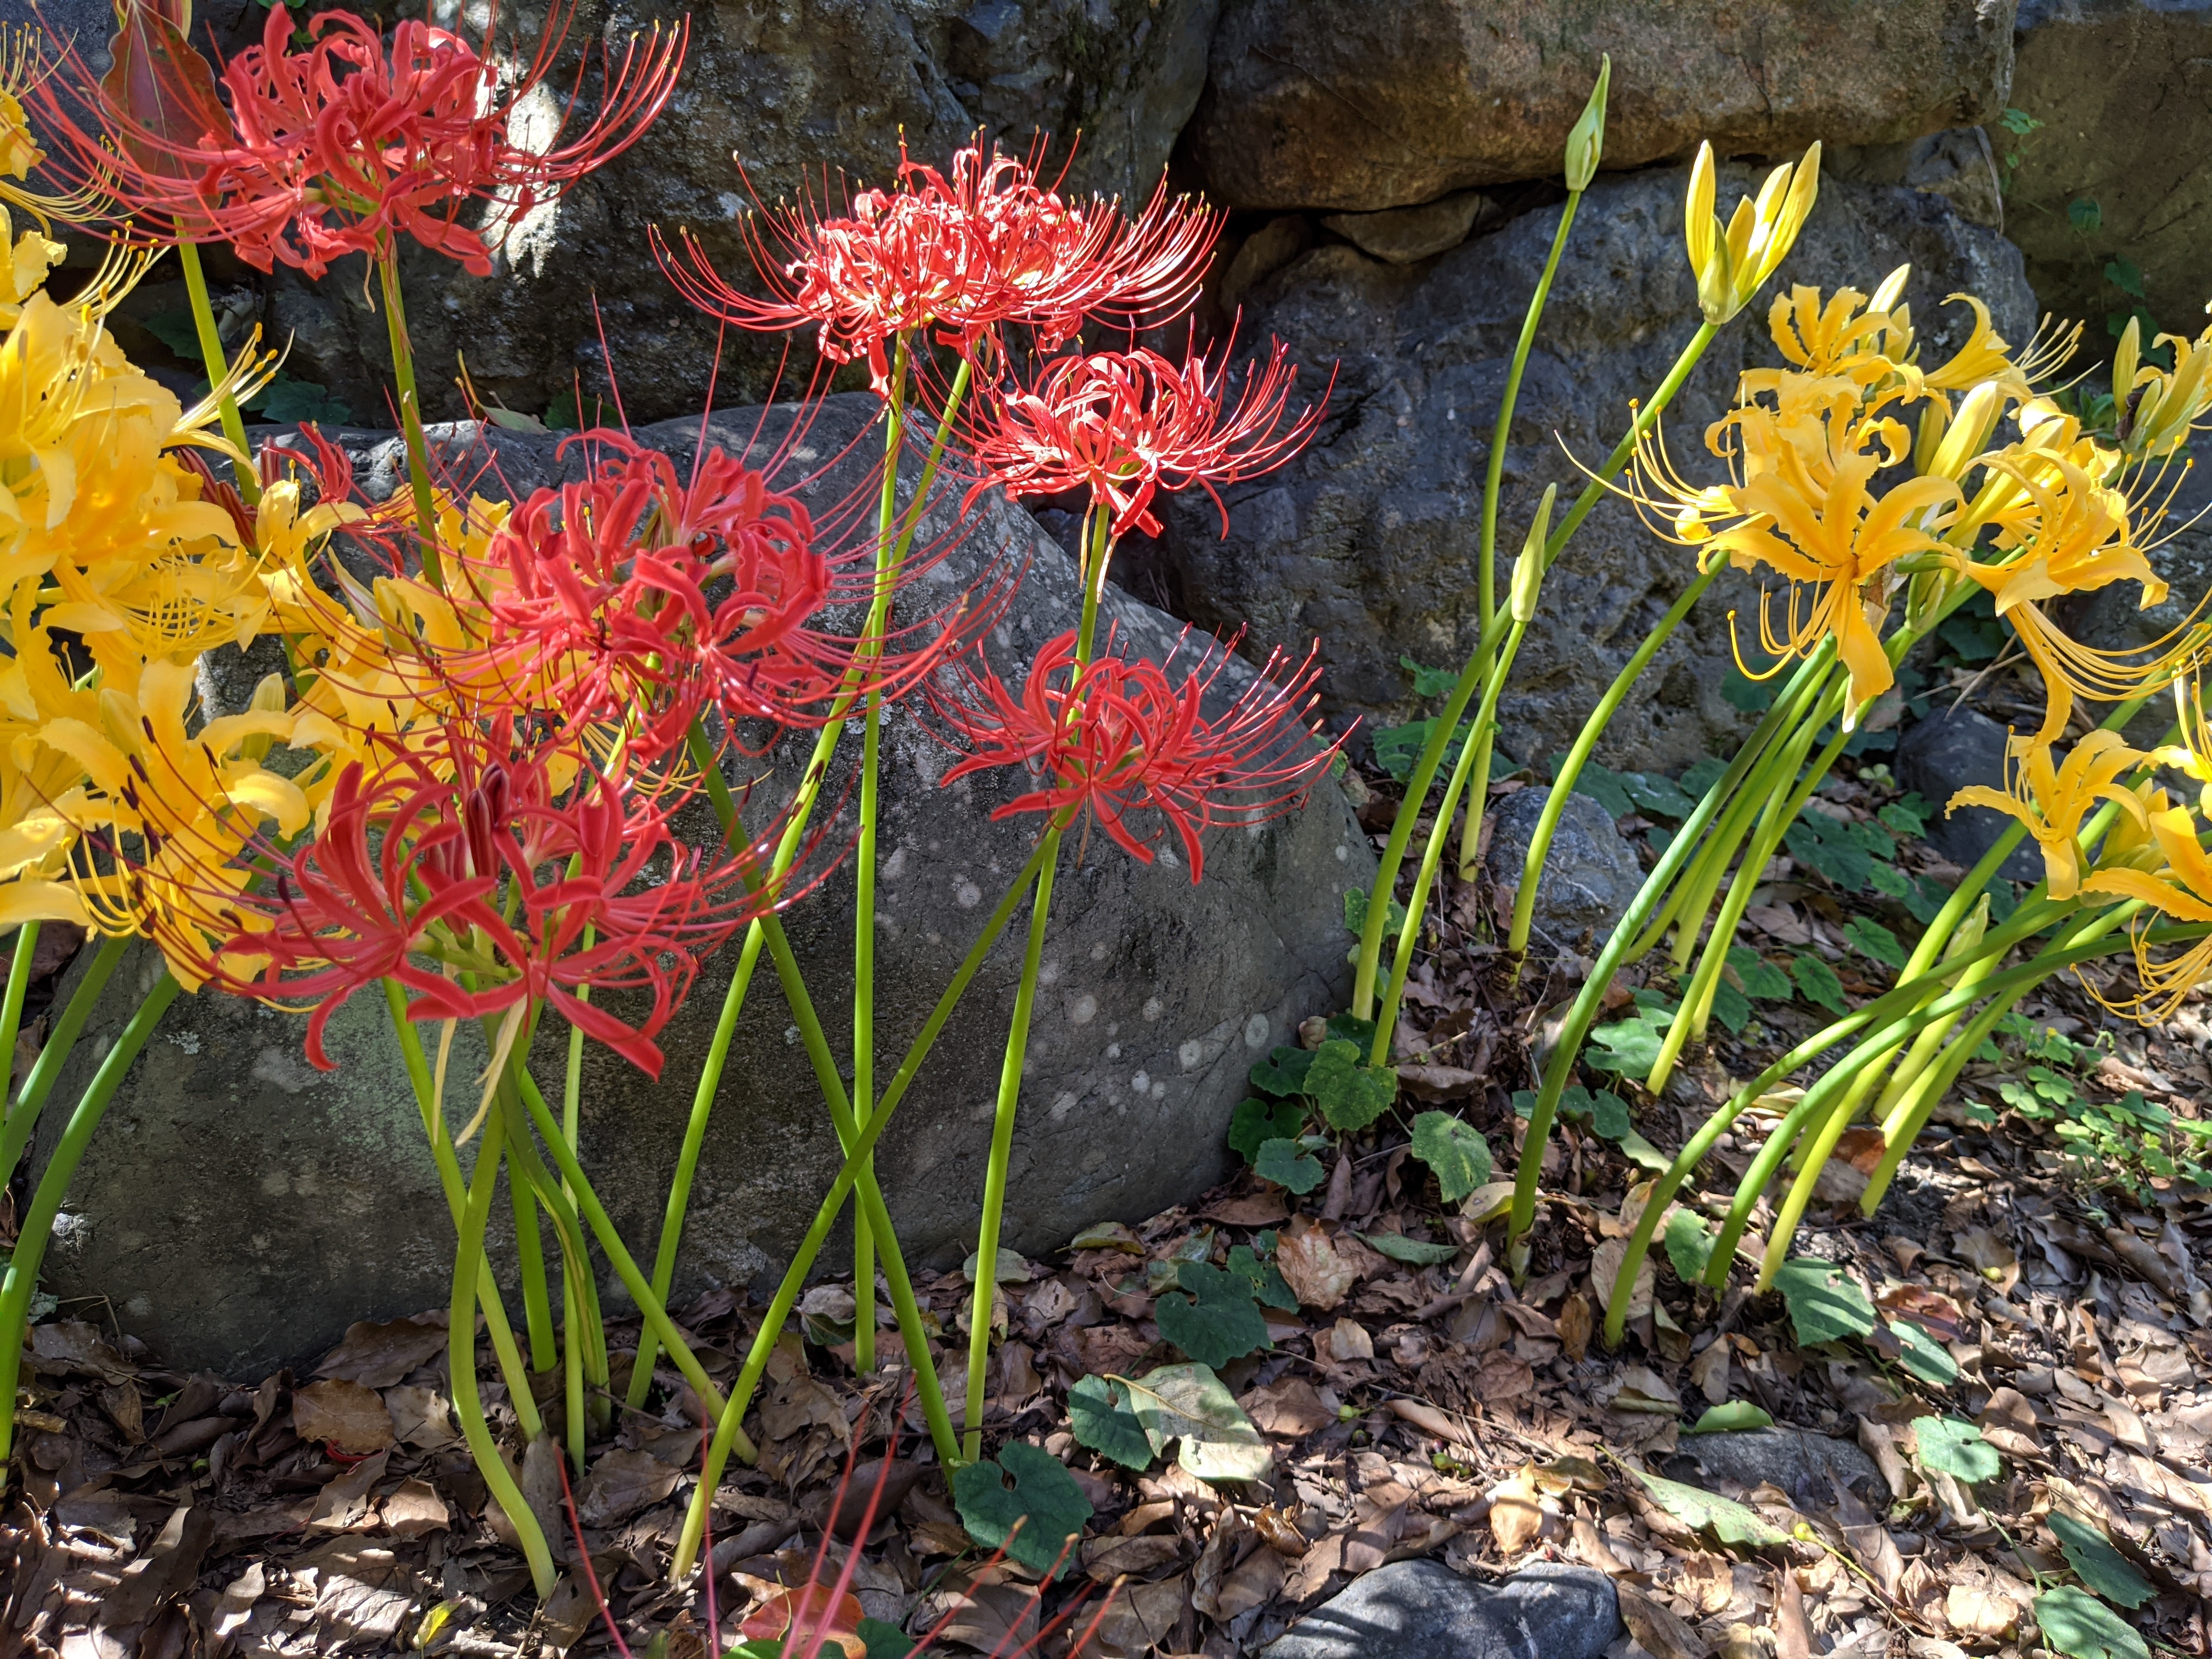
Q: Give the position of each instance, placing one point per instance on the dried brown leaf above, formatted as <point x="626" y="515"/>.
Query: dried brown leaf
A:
<point x="376" y="1355"/>
<point x="1319" y="1273"/>
<point x="345" y="1416"/>
<point x="1658" y="1628"/>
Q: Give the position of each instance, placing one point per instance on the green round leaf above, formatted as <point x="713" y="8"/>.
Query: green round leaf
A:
<point x="1455" y="1149"/>
<point x="885" y="1640"/>
<point x="1819" y="983"/>
<point x="1283" y="1072"/>
<point x="1025" y="1503"/>
<point x="1923" y="1355"/>
<point x="1952" y="1446"/>
<point x="2077" y="1623"/>
<point x="1217" y="1322"/>
<point x="1287" y="1164"/>
<point x="1256" y="1121"/>
<point x="1351" y="1095"/>
<point x="1269" y="1288"/>
<point x="1689" y="1244"/>
<point x="1824" y="1305"/>
<point x="1099" y="1416"/>
<point x="2099" y="1566"/>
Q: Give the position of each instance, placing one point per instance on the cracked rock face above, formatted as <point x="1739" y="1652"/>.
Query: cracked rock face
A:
<point x="239" y="1209"/>
<point x="1351" y="104"/>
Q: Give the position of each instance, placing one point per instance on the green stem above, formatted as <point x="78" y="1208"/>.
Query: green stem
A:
<point x="1494" y="475"/>
<point x="864" y="893"/>
<point x="1385" y="886"/>
<point x="727" y="1432"/>
<point x="19" y="982"/>
<point x="1689" y="1023"/>
<point x="1560" y="1066"/>
<point x="530" y="1249"/>
<point x="802" y="810"/>
<point x="1002" y="1147"/>
<point x="1015" y="1059"/>
<point x="1646" y="417"/>
<point x="1563" y="785"/>
<point x="37" y="1228"/>
<point x="603" y="1228"/>
<point x="461" y="1353"/>
<point x="1899" y="1006"/>
<point x="1473" y="757"/>
<point x="23" y="1117"/>
<point x="218" y="367"/>
<point x="912" y="1331"/>
<point x="411" y="413"/>
<point x="513" y="1370"/>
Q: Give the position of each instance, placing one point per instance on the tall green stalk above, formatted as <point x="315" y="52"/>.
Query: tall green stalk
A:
<point x="36" y="1229"/>
<point x="1408" y="816"/>
<point x="19" y="984"/>
<point x="23" y="1116"/>
<point x="1563" y="785"/>
<point x="512" y="1369"/>
<point x="218" y="367"/>
<point x="1474" y="764"/>
<point x="461" y="1353"/>
<point x="1099" y="542"/>
<point x="1560" y="1066"/>
<point x="864" y="853"/>
<point x="809" y="793"/>
<point x="410" y="414"/>
<point x="727" y="1432"/>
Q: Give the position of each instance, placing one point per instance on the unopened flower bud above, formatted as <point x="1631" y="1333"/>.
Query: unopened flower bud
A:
<point x="1586" y="142"/>
<point x="1528" y="569"/>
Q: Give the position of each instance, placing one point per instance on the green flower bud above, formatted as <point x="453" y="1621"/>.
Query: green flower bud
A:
<point x="1528" y="569"/>
<point x="1586" y="143"/>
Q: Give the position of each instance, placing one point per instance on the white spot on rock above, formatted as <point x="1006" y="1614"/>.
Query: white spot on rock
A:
<point x="1083" y="1010"/>
<point x="967" y="895"/>
<point x="1190" y="1055"/>
<point x="1063" y="1104"/>
<point x="1154" y="1008"/>
<point x="1255" y="1031"/>
<point x="1142" y="1082"/>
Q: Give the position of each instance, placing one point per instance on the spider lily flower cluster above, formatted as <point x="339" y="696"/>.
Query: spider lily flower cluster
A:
<point x="464" y="787"/>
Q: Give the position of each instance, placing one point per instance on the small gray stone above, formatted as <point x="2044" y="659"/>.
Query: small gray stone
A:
<point x="1405" y="236"/>
<point x="1419" y="1610"/>
<point x="1809" y="1466"/>
<point x="1590" y="874"/>
<point x="1945" y="753"/>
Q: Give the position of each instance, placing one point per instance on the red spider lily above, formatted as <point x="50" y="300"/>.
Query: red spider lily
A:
<point x="637" y="598"/>
<point x="964" y="253"/>
<point x="468" y="872"/>
<point x="1127" y="424"/>
<point x="336" y="146"/>
<point x="1119" y="737"/>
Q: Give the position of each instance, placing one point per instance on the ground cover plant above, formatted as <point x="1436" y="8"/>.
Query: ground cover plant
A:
<point x="462" y="796"/>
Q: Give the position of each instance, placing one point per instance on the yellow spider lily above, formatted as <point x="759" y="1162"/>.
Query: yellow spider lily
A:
<point x="2051" y="801"/>
<point x="2071" y="534"/>
<point x="1805" y="509"/>
<point x="2159" y="409"/>
<point x="2182" y="890"/>
<point x="1733" y="262"/>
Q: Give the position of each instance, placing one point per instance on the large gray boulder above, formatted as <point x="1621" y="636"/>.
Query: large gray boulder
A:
<point x="1366" y="104"/>
<point x="1369" y="539"/>
<point x="2118" y="168"/>
<point x="239" y="1209"/>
